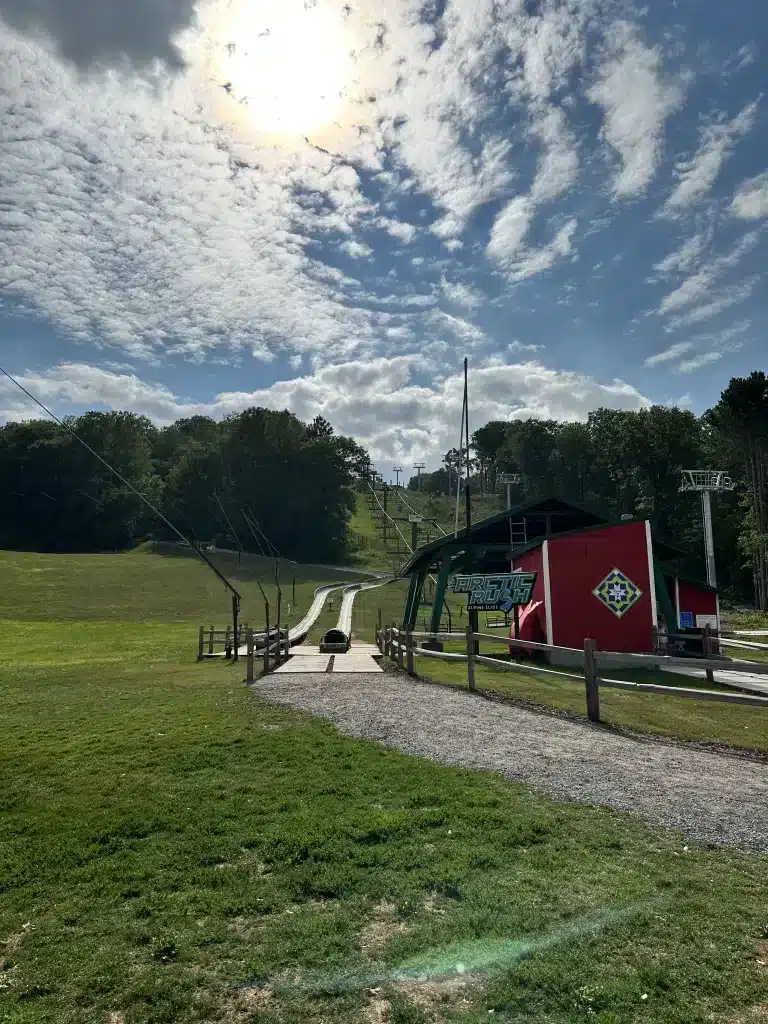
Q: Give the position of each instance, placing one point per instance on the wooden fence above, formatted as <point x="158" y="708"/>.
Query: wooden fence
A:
<point x="273" y="648"/>
<point x="401" y="646"/>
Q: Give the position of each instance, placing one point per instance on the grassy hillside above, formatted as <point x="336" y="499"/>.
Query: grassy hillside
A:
<point x="173" y="850"/>
<point x="171" y="585"/>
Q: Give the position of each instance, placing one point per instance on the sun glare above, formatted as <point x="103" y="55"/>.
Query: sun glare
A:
<point x="287" y="61"/>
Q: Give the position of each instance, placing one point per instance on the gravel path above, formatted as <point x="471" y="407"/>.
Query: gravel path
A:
<point x="712" y="797"/>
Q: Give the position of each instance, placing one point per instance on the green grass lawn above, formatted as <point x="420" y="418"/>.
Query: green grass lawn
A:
<point x="172" y="849"/>
<point x="172" y="585"/>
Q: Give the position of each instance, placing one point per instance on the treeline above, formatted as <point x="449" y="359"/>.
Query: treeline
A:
<point x="294" y="479"/>
<point x="630" y="463"/>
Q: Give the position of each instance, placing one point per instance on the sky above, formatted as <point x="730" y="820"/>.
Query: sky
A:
<point x="327" y="206"/>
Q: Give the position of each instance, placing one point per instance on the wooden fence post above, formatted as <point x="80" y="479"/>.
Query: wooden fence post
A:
<point x="378" y="621"/>
<point x="210" y="641"/>
<point x="409" y="653"/>
<point x="470" y="658"/>
<point x="592" y="681"/>
<point x="707" y="648"/>
<point x="227" y="645"/>
<point x="249" y="658"/>
<point x="399" y="648"/>
<point x="201" y="644"/>
<point x="287" y="651"/>
<point x="266" y="646"/>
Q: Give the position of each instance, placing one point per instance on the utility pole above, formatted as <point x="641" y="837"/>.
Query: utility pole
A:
<point x="705" y="481"/>
<point x="414" y="521"/>
<point x="418" y="466"/>
<point x="397" y="470"/>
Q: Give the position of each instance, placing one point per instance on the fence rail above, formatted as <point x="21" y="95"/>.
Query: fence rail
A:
<point x="400" y="645"/>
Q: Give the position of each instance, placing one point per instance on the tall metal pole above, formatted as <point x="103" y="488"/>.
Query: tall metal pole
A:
<point x="397" y="471"/>
<point x="709" y="543"/>
<point x="418" y="466"/>
<point x="466" y="421"/>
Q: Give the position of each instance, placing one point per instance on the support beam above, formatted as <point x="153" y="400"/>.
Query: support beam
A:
<point x="415" y="588"/>
<point x="440" y="589"/>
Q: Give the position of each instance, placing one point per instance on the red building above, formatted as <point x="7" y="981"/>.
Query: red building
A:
<point x="610" y="584"/>
<point x="613" y="583"/>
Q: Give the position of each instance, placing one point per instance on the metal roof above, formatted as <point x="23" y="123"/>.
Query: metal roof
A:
<point x="495" y="529"/>
<point x="566" y="519"/>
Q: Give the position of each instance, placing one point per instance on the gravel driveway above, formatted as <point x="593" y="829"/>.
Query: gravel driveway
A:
<point x="712" y="797"/>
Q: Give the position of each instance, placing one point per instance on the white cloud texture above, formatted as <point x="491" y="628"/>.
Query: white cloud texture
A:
<point x="751" y="199"/>
<point x="697" y="176"/>
<point x="636" y="98"/>
<point x="379" y="402"/>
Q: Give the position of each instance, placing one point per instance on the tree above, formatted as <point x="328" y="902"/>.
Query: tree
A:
<point x="319" y="428"/>
<point x="740" y="422"/>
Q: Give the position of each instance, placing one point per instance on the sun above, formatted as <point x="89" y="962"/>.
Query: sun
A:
<point x="286" y="61"/>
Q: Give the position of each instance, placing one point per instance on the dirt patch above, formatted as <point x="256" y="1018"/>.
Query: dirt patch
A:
<point x="377" y="1010"/>
<point x="239" y="1006"/>
<point x="380" y="931"/>
<point x="441" y="993"/>
<point x="762" y="955"/>
<point x="7" y="948"/>
<point x="115" y="1017"/>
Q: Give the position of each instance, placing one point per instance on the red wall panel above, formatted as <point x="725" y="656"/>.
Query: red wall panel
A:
<point x="693" y="599"/>
<point x="577" y="564"/>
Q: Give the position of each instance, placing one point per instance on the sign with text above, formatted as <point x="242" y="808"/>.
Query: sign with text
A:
<point x="497" y="593"/>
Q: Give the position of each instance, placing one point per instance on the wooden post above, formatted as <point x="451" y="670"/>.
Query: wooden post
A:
<point x="279" y="648"/>
<point x="378" y="620"/>
<point x="409" y="653"/>
<point x="707" y="648"/>
<point x="470" y="658"/>
<point x="592" y="681"/>
<point x="201" y="644"/>
<point x="399" y="648"/>
<point x="235" y="616"/>
<point x="210" y="641"/>
<point x="266" y="646"/>
<point x="249" y="658"/>
<point x="227" y="645"/>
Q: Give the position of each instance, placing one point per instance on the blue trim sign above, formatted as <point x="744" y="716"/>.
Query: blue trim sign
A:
<point x="686" y="620"/>
<point x="498" y="593"/>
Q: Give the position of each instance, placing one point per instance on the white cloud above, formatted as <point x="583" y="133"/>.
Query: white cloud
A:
<point x="378" y="402"/>
<point x="461" y="294"/>
<point x="510" y="228"/>
<point x="684" y="258"/>
<point x="357" y="250"/>
<point x="699" y="284"/>
<point x="506" y="244"/>
<point x="398" y="228"/>
<point x="697" y="361"/>
<point x="719" y="301"/>
<point x="669" y="354"/>
<point x="559" y="165"/>
<point x="636" y="99"/>
<point x="751" y="199"/>
<point x="697" y="176"/>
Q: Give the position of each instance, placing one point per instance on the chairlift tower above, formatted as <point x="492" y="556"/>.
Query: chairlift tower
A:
<point x="509" y="479"/>
<point x="418" y="466"/>
<point x="397" y="470"/>
<point x="705" y="481"/>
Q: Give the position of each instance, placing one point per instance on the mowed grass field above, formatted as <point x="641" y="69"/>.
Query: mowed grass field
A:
<point x="171" y="585"/>
<point x="173" y="849"/>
